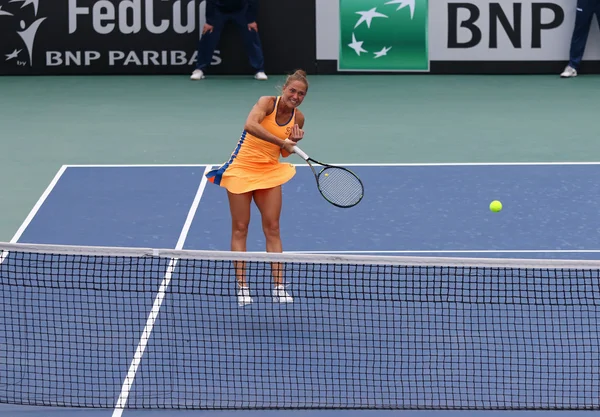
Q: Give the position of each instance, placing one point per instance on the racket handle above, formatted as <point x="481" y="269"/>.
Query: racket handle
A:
<point x="300" y="152"/>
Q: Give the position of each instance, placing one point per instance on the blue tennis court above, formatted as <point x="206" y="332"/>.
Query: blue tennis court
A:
<point x="550" y="212"/>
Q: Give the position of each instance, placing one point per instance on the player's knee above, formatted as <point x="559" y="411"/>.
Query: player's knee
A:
<point x="240" y="229"/>
<point x="271" y="228"/>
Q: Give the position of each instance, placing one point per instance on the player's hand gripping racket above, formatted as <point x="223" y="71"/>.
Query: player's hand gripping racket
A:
<point x="339" y="186"/>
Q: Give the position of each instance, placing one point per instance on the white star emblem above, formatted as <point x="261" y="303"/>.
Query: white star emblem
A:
<point x="381" y="53"/>
<point x="403" y="4"/>
<point x="3" y="13"/>
<point x="13" y="55"/>
<point x="26" y="2"/>
<point x="367" y="16"/>
<point x="357" y="46"/>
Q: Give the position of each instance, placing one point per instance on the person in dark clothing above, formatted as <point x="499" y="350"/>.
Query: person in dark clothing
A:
<point x="243" y="13"/>
<point x="583" y="20"/>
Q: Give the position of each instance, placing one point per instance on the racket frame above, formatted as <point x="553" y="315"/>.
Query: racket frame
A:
<point x="310" y="162"/>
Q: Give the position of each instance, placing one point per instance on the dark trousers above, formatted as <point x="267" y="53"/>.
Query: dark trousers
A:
<point x="583" y="20"/>
<point x="208" y="42"/>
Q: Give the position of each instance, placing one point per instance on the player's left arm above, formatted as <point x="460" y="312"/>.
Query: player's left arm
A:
<point x="299" y="118"/>
<point x="300" y="123"/>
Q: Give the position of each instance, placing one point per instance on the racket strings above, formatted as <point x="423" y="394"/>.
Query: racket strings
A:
<point x="340" y="186"/>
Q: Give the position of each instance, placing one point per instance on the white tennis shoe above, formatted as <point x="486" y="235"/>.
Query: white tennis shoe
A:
<point x="197" y="75"/>
<point x="569" y="72"/>
<point x="261" y="76"/>
<point x="244" y="296"/>
<point x="280" y="295"/>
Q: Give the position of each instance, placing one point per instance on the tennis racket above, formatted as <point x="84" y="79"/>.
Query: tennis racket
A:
<point x="338" y="185"/>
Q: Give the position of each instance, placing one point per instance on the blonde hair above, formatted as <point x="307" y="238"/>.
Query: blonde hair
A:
<point x="298" y="75"/>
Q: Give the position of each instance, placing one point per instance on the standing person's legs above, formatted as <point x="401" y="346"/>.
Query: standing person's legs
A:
<point x="239" y="207"/>
<point x="583" y="18"/>
<point x="207" y="45"/>
<point x="269" y="203"/>
<point x="252" y="44"/>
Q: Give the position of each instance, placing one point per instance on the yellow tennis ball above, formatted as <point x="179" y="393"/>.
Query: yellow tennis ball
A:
<point x="326" y="174"/>
<point x="495" y="206"/>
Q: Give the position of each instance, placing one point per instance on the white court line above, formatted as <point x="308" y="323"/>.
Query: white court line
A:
<point x="38" y="205"/>
<point x="357" y="164"/>
<point x="449" y="164"/>
<point x="349" y="252"/>
<point x="35" y="210"/>
<point x="137" y="165"/>
<point x="137" y="358"/>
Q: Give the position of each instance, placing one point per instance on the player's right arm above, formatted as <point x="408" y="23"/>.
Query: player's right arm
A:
<point x="264" y="106"/>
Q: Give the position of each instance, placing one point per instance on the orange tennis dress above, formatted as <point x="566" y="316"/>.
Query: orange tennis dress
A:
<point x="254" y="164"/>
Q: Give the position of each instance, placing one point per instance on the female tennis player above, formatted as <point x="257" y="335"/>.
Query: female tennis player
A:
<point x="254" y="172"/>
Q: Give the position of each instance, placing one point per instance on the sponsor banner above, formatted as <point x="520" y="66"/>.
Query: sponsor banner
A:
<point x="484" y="30"/>
<point x="141" y="37"/>
<point x="460" y="30"/>
<point x="383" y="35"/>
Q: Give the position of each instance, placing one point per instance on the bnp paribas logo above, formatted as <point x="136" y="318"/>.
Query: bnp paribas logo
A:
<point x="383" y="35"/>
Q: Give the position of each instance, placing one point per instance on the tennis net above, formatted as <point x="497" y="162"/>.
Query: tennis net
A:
<point x="146" y="328"/>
